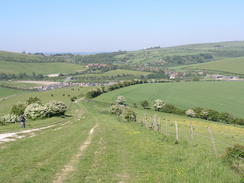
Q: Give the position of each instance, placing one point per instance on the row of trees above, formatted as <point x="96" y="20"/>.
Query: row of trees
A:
<point x="198" y="112"/>
<point x="99" y="91"/>
<point x="212" y="115"/>
<point x="4" y="76"/>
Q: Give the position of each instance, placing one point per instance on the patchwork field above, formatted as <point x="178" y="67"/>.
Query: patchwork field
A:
<point x="38" y="68"/>
<point x="221" y="96"/>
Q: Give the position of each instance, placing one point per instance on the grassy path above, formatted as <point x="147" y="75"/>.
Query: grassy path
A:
<point x="118" y="153"/>
<point x="68" y="168"/>
<point x="126" y="152"/>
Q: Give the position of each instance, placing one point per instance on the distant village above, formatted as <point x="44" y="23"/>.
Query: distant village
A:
<point x="172" y="75"/>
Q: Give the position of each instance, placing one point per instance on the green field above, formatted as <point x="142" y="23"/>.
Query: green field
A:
<point x="62" y="94"/>
<point x="4" y="92"/>
<point x="221" y="96"/>
<point x="39" y="68"/>
<point x="230" y="65"/>
<point x="118" y="151"/>
<point x="118" y="72"/>
<point x="19" y="85"/>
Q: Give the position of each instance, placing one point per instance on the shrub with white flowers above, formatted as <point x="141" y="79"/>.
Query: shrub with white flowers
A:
<point x="121" y="100"/>
<point x="158" y="104"/>
<point x="191" y="113"/>
<point x="55" y="108"/>
<point x="35" y="111"/>
<point x="9" y="118"/>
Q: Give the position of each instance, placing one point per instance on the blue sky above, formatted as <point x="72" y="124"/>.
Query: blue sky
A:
<point x="110" y="25"/>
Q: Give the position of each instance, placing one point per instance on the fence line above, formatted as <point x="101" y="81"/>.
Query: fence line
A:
<point x="168" y="127"/>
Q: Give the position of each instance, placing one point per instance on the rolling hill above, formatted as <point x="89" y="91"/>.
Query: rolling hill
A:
<point x="221" y="96"/>
<point x="155" y="56"/>
<point x="91" y="145"/>
<point x="228" y="65"/>
<point x="38" y="68"/>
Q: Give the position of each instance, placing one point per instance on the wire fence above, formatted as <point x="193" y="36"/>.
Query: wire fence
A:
<point x="207" y="136"/>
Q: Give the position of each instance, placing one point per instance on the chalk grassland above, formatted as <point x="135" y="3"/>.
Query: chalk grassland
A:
<point x="39" y="68"/>
<point x="221" y="96"/>
<point x="118" y="152"/>
<point x="230" y="65"/>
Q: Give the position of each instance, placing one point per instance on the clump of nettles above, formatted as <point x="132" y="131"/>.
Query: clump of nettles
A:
<point x="121" y="109"/>
<point x="235" y="157"/>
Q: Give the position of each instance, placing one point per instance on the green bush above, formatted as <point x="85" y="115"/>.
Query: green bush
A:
<point x="73" y="99"/>
<point x="93" y="93"/>
<point x="235" y="157"/>
<point x="128" y="114"/>
<point x="169" y="108"/>
<point x="18" y="109"/>
<point x="32" y="100"/>
<point x="116" y="109"/>
<point x="145" y="104"/>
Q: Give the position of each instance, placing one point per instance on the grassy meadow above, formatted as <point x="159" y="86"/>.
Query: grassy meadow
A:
<point x="230" y="65"/>
<point x="19" y="85"/>
<point x="63" y="94"/>
<point x="221" y="96"/>
<point x="119" y="151"/>
<point x="4" y="92"/>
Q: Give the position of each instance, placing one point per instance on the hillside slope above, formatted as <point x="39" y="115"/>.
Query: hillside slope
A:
<point x="155" y="56"/>
<point x="221" y="96"/>
<point x="230" y="65"/>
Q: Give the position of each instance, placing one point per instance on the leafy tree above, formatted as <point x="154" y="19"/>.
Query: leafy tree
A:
<point x="32" y="100"/>
<point x="18" y="109"/>
<point x="129" y="115"/>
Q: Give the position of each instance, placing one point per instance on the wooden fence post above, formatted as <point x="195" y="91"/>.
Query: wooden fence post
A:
<point x="159" y="126"/>
<point x="213" y="141"/>
<point x="166" y="127"/>
<point x="154" y="124"/>
<point x="176" y="133"/>
<point x="191" y="131"/>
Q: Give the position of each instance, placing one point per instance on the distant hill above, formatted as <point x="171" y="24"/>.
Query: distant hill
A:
<point x="29" y="58"/>
<point x="153" y="57"/>
<point x="171" y="56"/>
